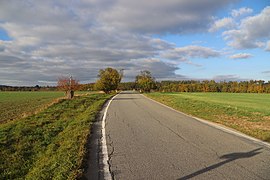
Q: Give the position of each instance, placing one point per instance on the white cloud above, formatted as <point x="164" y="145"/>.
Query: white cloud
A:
<point x="227" y="23"/>
<point x="241" y="56"/>
<point x="52" y="38"/>
<point x="188" y="52"/>
<point x="267" y="46"/>
<point x="241" y="12"/>
<point x="252" y="32"/>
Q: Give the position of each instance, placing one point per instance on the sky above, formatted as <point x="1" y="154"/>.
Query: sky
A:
<point x="224" y="40"/>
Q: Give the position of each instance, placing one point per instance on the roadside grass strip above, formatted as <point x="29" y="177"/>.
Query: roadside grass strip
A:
<point x="247" y="113"/>
<point x="50" y="144"/>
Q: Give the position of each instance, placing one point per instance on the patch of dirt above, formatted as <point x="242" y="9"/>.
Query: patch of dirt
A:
<point x="244" y="122"/>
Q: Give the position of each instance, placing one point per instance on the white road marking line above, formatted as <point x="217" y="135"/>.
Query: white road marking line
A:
<point x="105" y="161"/>
<point x="217" y="126"/>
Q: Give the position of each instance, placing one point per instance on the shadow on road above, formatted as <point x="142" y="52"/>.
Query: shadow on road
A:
<point x="228" y="158"/>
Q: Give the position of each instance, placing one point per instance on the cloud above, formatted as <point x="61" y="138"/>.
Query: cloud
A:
<point x="188" y="52"/>
<point x="42" y="72"/>
<point x="158" y="68"/>
<point x="53" y="38"/>
<point x="252" y="32"/>
<point x="267" y="46"/>
<point x="227" y="23"/>
<point x="159" y="16"/>
<point x="266" y="72"/>
<point x="2" y="47"/>
<point x="241" y="12"/>
<point x="230" y="77"/>
<point x="241" y="56"/>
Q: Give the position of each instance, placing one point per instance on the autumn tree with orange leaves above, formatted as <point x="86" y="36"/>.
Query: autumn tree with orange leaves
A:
<point x="69" y="85"/>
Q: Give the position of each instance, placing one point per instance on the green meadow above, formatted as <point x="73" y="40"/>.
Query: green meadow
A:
<point x="50" y="144"/>
<point x="248" y="113"/>
<point x="15" y="105"/>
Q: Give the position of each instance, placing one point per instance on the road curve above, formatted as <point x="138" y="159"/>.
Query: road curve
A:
<point x="149" y="141"/>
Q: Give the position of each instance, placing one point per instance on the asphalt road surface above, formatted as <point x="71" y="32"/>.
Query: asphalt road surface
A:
<point x="149" y="141"/>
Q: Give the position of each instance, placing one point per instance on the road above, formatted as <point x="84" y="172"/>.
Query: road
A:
<point x="146" y="140"/>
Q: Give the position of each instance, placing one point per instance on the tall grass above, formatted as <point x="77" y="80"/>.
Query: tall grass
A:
<point x="51" y="144"/>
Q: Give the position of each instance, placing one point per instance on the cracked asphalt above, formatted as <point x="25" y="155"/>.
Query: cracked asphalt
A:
<point x="149" y="141"/>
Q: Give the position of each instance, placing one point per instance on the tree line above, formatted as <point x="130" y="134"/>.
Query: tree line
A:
<point x="252" y="86"/>
<point x="27" y="88"/>
<point x="109" y="80"/>
<point x="145" y="82"/>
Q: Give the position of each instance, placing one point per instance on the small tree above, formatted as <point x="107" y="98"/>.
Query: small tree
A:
<point x="109" y="79"/>
<point x="69" y="85"/>
<point x="145" y="81"/>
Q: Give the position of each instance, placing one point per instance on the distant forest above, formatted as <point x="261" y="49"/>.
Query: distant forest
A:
<point x="27" y="88"/>
<point x="252" y="86"/>
<point x="212" y="86"/>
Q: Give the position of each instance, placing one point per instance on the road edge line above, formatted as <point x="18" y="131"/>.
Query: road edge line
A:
<point x="105" y="156"/>
<point x="217" y="126"/>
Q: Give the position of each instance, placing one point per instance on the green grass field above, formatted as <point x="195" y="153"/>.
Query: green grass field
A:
<point x="248" y="113"/>
<point x="50" y="144"/>
<point x="14" y="105"/>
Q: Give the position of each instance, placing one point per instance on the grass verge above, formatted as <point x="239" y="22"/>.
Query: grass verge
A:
<point x="51" y="144"/>
<point x="247" y="113"/>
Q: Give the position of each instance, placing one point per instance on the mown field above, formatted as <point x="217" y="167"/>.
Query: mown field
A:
<point x="15" y="105"/>
<point x="50" y="144"/>
<point x="248" y="113"/>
